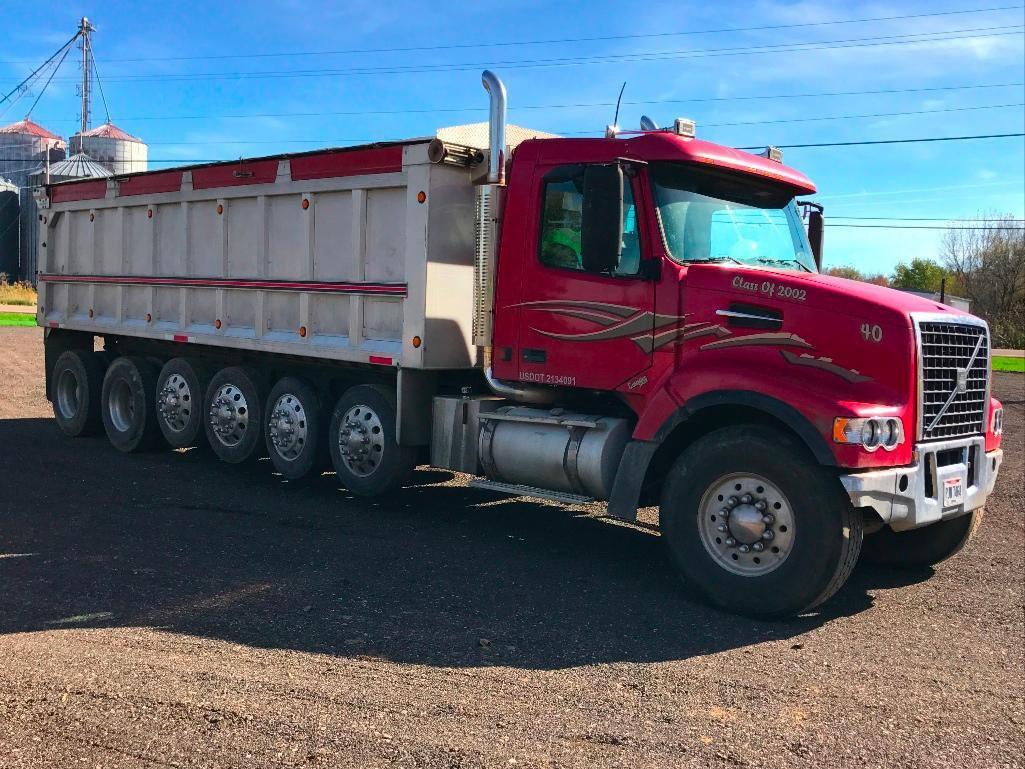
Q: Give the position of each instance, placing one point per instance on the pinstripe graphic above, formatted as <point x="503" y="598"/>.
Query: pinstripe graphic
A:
<point x="374" y="289"/>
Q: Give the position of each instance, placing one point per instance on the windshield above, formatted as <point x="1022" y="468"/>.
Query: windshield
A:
<point x="709" y="216"/>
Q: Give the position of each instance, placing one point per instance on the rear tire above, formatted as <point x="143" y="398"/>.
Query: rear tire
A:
<point x="76" y="392"/>
<point x="918" y="548"/>
<point x="294" y="433"/>
<point x="129" y="410"/>
<point x="367" y="458"/>
<point x="233" y="413"/>
<point x="789" y="538"/>
<point x="181" y="388"/>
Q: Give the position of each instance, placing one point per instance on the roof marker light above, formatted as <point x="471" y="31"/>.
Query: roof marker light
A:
<point x="611" y="131"/>
<point x="685" y="127"/>
<point x="775" y="154"/>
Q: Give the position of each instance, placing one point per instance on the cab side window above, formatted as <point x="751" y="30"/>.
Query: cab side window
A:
<point x="563" y="200"/>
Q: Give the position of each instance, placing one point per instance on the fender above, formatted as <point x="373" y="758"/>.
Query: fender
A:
<point x="633" y="466"/>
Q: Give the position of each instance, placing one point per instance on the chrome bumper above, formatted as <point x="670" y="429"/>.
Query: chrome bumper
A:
<point x="909" y="497"/>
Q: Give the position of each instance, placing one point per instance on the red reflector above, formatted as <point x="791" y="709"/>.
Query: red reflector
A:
<point x="54" y="324"/>
<point x="180" y="338"/>
<point x="380" y="359"/>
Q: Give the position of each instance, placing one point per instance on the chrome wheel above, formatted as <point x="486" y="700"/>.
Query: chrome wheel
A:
<point x="121" y="406"/>
<point x="69" y="394"/>
<point x="361" y="440"/>
<point x="287" y="426"/>
<point x="174" y="403"/>
<point x="229" y="415"/>
<point x="746" y="524"/>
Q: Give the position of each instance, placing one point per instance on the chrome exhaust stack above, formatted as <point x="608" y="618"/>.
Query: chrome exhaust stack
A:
<point x="489" y="216"/>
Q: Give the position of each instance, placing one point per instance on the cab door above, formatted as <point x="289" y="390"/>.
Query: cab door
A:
<point x="582" y="324"/>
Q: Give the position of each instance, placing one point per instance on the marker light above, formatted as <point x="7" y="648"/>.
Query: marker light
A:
<point x="998" y="421"/>
<point x="775" y="154"/>
<point x="870" y="433"/>
<point x="685" y="127"/>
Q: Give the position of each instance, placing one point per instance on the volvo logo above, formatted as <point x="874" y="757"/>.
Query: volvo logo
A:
<point x="962" y="380"/>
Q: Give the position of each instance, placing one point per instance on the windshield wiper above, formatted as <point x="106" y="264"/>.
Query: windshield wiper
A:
<point x="798" y="262"/>
<point x="714" y="259"/>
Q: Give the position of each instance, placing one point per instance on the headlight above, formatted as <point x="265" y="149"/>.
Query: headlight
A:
<point x="870" y="432"/>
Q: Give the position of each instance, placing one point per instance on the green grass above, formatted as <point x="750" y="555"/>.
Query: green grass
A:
<point x="1006" y="363"/>
<point x="17" y="319"/>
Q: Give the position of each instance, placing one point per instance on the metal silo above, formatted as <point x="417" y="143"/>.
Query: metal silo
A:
<point x="79" y="166"/>
<point x="116" y="150"/>
<point x="10" y="209"/>
<point x="25" y="149"/>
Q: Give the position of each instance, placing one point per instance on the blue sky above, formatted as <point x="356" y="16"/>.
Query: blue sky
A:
<point x="170" y="76"/>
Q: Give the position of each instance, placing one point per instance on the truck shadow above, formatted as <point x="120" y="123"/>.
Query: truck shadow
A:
<point x="440" y="574"/>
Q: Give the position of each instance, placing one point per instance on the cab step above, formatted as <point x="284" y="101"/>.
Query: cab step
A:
<point x="518" y="490"/>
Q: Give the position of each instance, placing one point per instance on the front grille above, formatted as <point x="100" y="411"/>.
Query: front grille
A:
<point x="946" y="349"/>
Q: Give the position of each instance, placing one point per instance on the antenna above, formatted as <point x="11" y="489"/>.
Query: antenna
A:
<point x="615" y="120"/>
<point x="85" y="29"/>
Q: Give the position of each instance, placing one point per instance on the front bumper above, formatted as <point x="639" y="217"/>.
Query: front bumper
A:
<point x="909" y="497"/>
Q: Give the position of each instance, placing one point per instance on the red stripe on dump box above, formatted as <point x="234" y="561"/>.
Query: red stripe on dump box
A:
<point x="377" y="160"/>
<point x="381" y="360"/>
<point x="69" y="192"/>
<point x="237" y="174"/>
<point x="370" y="289"/>
<point x="180" y="338"/>
<point x="150" y="184"/>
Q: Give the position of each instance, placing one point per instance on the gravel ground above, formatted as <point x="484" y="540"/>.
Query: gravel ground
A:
<point x="166" y="610"/>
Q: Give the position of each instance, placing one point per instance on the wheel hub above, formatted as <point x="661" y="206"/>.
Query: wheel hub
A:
<point x="287" y="426"/>
<point x="361" y="440"/>
<point x="746" y="524"/>
<point x="229" y="415"/>
<point x="174" y="402"/>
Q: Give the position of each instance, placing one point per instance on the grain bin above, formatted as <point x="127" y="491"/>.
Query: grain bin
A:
<point x="10" y="208"/>
<point x="118" y="151"/>
<point x="25" y="147"/>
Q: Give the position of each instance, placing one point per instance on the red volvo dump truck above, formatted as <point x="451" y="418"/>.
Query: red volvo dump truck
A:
<point x="637" y="319"/>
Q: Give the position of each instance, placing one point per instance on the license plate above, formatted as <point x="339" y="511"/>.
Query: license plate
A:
<point x="953" y="492"/>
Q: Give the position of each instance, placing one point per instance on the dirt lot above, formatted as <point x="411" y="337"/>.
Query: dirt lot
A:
<point x="163" y="609"/>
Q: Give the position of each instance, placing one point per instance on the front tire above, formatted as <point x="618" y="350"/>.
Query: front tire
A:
<point x="362" y="440"/>
<point x="756" y="525"/>
<point x="918" y="548"/>
<point x="233" y="413"/>
<point x="129" y="406"/>
<point x="75" y="392"/>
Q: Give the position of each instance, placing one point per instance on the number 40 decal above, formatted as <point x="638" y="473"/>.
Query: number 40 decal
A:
<point x="871" y="333"/>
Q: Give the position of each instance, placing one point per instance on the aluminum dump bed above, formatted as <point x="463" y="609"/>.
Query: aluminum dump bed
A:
<point x="362" y="254"/>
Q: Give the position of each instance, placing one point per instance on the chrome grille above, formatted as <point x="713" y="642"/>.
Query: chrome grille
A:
<point x="945" y="351"/>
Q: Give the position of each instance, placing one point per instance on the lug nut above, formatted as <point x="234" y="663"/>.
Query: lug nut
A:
<point x="760" y="504"/>
<point x="722" y="527"/>
<point x="732" y="501"/>
<point x="768" y="519"/>
<point x="725" y="512"/>
<point x="730" y="541"/>
<point x="744" y="549"/>
<point x="767" y="534"/>
<point x="746" y="499"/>
<point x="758" y="547"/>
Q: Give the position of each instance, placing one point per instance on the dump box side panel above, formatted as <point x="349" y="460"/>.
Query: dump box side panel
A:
<point x="323" y="256"/>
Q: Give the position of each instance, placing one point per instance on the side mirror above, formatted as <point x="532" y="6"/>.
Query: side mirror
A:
<point x="816" y="225"/>
<point x="601" y="219"/>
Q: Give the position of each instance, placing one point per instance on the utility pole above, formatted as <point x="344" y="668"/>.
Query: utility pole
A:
<point x="85" y="28"/>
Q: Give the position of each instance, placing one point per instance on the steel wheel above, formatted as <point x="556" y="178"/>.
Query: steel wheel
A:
<point x="746" y="524"/>
<point x="121" y="406"/>
<point x="361" y="440"/>
<point x="174" y="402"/>
<point x="287" y="427"/>
<point x="229" y="415"/>
<point x="69" y="394"/>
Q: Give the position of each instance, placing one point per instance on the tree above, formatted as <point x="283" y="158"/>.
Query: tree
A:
<point x="988" y="263"/>
<point x="918" y="275"/>
<point x="852" y="273"/>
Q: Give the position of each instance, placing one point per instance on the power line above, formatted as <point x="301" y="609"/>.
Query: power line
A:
<point x="875" y="41"/>
<point x="889" y="141"/>
<point x="918" y="219"/>
<point x="578" y="105"/>
<point x="920" y="227"/>
<point x="551" y="41"/>
<point x="864" y="115"/>
<point x="56" y="67"/>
